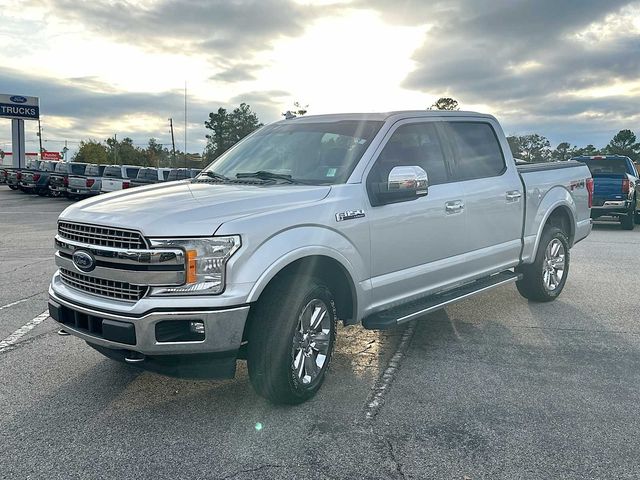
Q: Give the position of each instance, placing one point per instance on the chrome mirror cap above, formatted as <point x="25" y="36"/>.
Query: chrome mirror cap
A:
<point x="408" y="179"/>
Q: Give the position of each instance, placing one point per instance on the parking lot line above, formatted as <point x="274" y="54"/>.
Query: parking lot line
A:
<point x="22" y="331"/>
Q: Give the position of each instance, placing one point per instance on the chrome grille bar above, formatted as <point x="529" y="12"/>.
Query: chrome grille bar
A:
<point x="101" y="236"/>
<point x="105" y="288"/>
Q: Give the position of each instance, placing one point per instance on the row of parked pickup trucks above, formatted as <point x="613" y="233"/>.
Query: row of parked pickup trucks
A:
<point x="81" y="180"/>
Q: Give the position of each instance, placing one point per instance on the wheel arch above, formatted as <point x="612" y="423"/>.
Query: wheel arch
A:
<point x="326" y="265"/>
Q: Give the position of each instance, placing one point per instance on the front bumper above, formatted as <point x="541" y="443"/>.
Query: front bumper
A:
<point x="133" y="338"/>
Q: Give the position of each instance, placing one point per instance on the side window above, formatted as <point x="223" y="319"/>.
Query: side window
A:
<point x="477" y="150"/>
<point x="413" y="144"/>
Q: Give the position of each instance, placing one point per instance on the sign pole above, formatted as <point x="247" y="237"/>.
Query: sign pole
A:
<point x="17" y="140"/>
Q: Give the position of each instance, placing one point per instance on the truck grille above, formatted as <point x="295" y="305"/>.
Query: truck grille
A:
<point x="101" y="236"/>
<point x="102" y="287"/>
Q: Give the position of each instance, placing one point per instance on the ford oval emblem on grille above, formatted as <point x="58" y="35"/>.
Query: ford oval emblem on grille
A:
<point x="83" y="260"/>
<point x="18" y="99"/>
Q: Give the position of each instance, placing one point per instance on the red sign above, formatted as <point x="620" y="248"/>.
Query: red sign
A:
<point x="51" y="156"/>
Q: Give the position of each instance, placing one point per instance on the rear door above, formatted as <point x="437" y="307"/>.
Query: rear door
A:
<point x="494" y="197"/>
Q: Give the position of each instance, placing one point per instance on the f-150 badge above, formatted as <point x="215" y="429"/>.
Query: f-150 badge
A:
<point x="349" y="215"/>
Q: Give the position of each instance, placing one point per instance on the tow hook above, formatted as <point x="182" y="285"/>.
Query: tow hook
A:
<point x="134" y="357"/>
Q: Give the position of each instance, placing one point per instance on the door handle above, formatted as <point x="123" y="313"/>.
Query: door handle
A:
<point x="455" y="206"/>
<point x="513" y="195"/>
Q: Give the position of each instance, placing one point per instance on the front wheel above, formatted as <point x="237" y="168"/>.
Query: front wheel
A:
<point x="291" y="336"/>
<point x="544" y="279"/>
<point x="628" y="221"/>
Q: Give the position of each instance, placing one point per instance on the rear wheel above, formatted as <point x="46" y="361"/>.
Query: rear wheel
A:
<point x="544" y="279"/>
<point x="291" y="336"/>
<point x="637" y="217"/>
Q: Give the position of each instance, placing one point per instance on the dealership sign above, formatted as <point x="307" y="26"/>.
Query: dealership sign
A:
<point x="51" y="156"/>
<point x="19" y="106"/>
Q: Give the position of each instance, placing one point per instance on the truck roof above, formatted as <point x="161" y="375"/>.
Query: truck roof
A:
<point x="598" y="157"/>
<point x="384" y="116"/>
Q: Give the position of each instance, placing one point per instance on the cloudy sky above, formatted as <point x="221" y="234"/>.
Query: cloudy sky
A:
<point x="568" y="69"/>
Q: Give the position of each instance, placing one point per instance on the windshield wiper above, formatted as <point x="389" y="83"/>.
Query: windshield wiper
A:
<point x="265" y="175"/>
<point x="216" y="176"/>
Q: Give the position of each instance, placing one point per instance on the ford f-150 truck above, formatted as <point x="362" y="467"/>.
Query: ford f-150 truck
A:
<point x="616" y="188"/>
<point x="37" y="180"/>
<point x="368" y="218"/>
<point x="118" y="177"/>
<point x="87" y="184"/>
<point x="59" y="179"/>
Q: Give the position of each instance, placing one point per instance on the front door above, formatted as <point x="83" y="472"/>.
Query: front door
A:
<point x="414" y="243"/>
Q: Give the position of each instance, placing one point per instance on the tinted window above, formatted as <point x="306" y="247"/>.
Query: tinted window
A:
<point x="77" y="168"/>
<point x="132" y="172"/>
<point x="178" y="174"/>
<point x="413" y="144"/>
<point x="478" y="153"/>
<point x="48" y="166"/>
<point x="613" y="165"/>
<point x="147" y="174"/>
<point x="94" y="170"/>
<point x="112" y="172"/>
<point x="61" y="168"/>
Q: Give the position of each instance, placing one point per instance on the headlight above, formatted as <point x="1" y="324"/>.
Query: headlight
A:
<point x="206" y="260"/>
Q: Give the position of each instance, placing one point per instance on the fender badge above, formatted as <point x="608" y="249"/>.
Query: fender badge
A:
<point x="349" y="215"/>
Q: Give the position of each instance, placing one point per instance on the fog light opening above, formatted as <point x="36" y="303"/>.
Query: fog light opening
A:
<point x="197" y="327"/>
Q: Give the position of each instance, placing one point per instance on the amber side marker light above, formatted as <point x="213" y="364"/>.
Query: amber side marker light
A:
<point x="191" y="266"/>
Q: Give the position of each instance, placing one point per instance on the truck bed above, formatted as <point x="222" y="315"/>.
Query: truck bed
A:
<point x="568" y="180"/>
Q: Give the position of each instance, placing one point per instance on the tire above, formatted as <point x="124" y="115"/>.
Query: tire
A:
<point x="42" y="192"/>
<point x="637" y="218"/>
<point x="628" y="221"/>
<point x="13" y="187"/>
<point x="283" y="362"/>
<point x="535" y="284"/>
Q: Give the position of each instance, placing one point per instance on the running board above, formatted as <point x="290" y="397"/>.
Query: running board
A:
<point x="404" y="313"/>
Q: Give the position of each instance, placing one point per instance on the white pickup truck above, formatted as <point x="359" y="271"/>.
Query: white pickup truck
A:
<point x="375" y="219"/>
<point x="118" y="177"/>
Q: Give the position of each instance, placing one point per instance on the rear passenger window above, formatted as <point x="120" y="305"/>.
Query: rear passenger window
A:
<point x="413" y="144"/>
<point x="477" y="150"/>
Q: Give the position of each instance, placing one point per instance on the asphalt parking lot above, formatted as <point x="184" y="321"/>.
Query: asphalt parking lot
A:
<point x="494" y="387"/>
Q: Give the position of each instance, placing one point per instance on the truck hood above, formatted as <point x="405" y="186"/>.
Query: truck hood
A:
<point x="183" y="209"/>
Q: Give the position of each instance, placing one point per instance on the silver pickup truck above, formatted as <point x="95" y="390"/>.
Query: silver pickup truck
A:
<point x="375" y="219"/>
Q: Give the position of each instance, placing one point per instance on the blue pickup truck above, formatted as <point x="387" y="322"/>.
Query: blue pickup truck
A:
<point x="616" y="188"/>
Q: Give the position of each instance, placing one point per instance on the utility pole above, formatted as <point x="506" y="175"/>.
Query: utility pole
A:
<point x="65" y="150"/>
<point x="185" y="124"/>
<point x="40" y="136"/>
<point x="173" y="144"/>
<point x="115" y="147"/>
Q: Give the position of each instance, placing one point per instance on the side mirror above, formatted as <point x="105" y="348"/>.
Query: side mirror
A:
<point x="404" y="183"/>
<point x="411" y="180"/>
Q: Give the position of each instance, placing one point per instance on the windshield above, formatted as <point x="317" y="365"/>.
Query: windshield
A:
<point x="613" y="165"/>
<point x="323" y="152"/>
